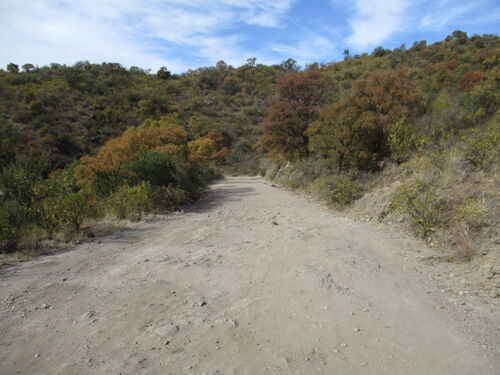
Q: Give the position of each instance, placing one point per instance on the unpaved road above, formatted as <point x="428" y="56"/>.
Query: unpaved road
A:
<point x="250" y="280"/>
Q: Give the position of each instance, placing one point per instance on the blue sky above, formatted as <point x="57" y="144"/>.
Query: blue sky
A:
<point x="187" y="34"/>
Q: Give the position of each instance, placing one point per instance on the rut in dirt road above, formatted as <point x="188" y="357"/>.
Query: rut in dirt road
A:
<point x="250" y="280"/>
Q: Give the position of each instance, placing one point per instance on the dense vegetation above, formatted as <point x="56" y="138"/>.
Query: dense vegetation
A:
<point x="90" y="140"/>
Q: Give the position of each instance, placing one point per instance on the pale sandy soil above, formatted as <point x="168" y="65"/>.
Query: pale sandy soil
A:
<point x="250" y="280"/>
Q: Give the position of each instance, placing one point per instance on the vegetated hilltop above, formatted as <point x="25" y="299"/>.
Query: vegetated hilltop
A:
<point x="406" y="135"/>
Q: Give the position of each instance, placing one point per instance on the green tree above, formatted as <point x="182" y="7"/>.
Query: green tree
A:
<point x="13" y="68"/>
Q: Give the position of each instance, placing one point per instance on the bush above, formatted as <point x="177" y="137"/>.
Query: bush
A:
<point x="156" y="169"/>
<point x="131" y="202"/>
<point x="470" y="212"/>
<point x="168" y="198"/>
<point x="480" y="146"/>
<point x="76" y="207"/>
<point x="403" y="139"/>
<point x="340" y="190"/>
<point x="419" y="200"/>
<point x="11" y="221"/>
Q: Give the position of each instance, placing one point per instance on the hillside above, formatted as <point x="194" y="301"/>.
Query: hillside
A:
<point x="406" y="136"/>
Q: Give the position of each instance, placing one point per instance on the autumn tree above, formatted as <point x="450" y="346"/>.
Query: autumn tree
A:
<point x="353" y="130"/>
<point x="113" y="165"/>
<point x="298" y="96"/>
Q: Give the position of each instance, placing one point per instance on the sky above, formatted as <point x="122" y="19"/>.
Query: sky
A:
<point x="188" y="34"/>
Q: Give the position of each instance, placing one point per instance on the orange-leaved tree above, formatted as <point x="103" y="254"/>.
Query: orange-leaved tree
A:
<point x="298" y="96"/>
<point x="113" y="164"/>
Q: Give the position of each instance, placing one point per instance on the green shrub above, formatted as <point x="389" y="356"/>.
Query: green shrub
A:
<point x="76" y="208"/>
<point x="404" y="138"/>
<point x="340" y="190"/>
<point x="470" y="212"/>
<point x="168" y="198"/>
<point x="131" y="202"/>
<point x="157" y="169"/>
<point x="480" y="146"/>
<point x="11" y="221"/>
<point x="419" y="200"/>
<point x="50" y="200"/>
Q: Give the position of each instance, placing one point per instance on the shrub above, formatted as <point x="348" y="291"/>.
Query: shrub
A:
<point x="11" y="221"/>
<point x="156" y="169"/>
<point x="419" y="200"/>
<point x="402" y="139"/>
<point x="470" y="212"/>
<point x="76" y="207"/>
<point x="168" y="198"/>
<point x="131" y="202"/>
<point x="340" y="190"/>
<point x="480" y="146"/>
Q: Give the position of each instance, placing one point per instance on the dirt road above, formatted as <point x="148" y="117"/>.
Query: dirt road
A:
<point x="250" y="280"/>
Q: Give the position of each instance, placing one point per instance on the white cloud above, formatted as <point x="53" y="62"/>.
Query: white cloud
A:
<point x="375" y="21"/>
<point x="445" y="12"/>
<point x="311" y="47"/>
<point x="132" y="32"/>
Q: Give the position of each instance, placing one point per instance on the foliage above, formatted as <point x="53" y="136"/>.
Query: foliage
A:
<point x="299" y="95"/>
<point x="470" y="212"/>
<point x="340" y="190"/>
<point x="157" y="169"/>
<point x="156" y="137"/>
<point x="131" y="202"/>
<point x="480" y="146"/>
<point x="419" y="200"/>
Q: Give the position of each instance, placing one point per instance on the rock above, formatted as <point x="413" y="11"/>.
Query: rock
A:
<point x="44" y="306"/>
<point x="163" y="328"/>
<point x="343" y="344"/>
<point x="275" y="223"/>
<point x="363" y="364"/>
<point x="37" y="355"/>
<point x="356" y="329"/>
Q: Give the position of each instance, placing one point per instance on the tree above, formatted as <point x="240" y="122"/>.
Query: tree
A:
<point x="28" y="67"/>
<point x="13" y="68"/>
<point x="290" y="65"/>
<point x="353" y="130"/>
<point x="298" y="97"/>
<point x="343" y="135"/>
<point x="163" y="74"/>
